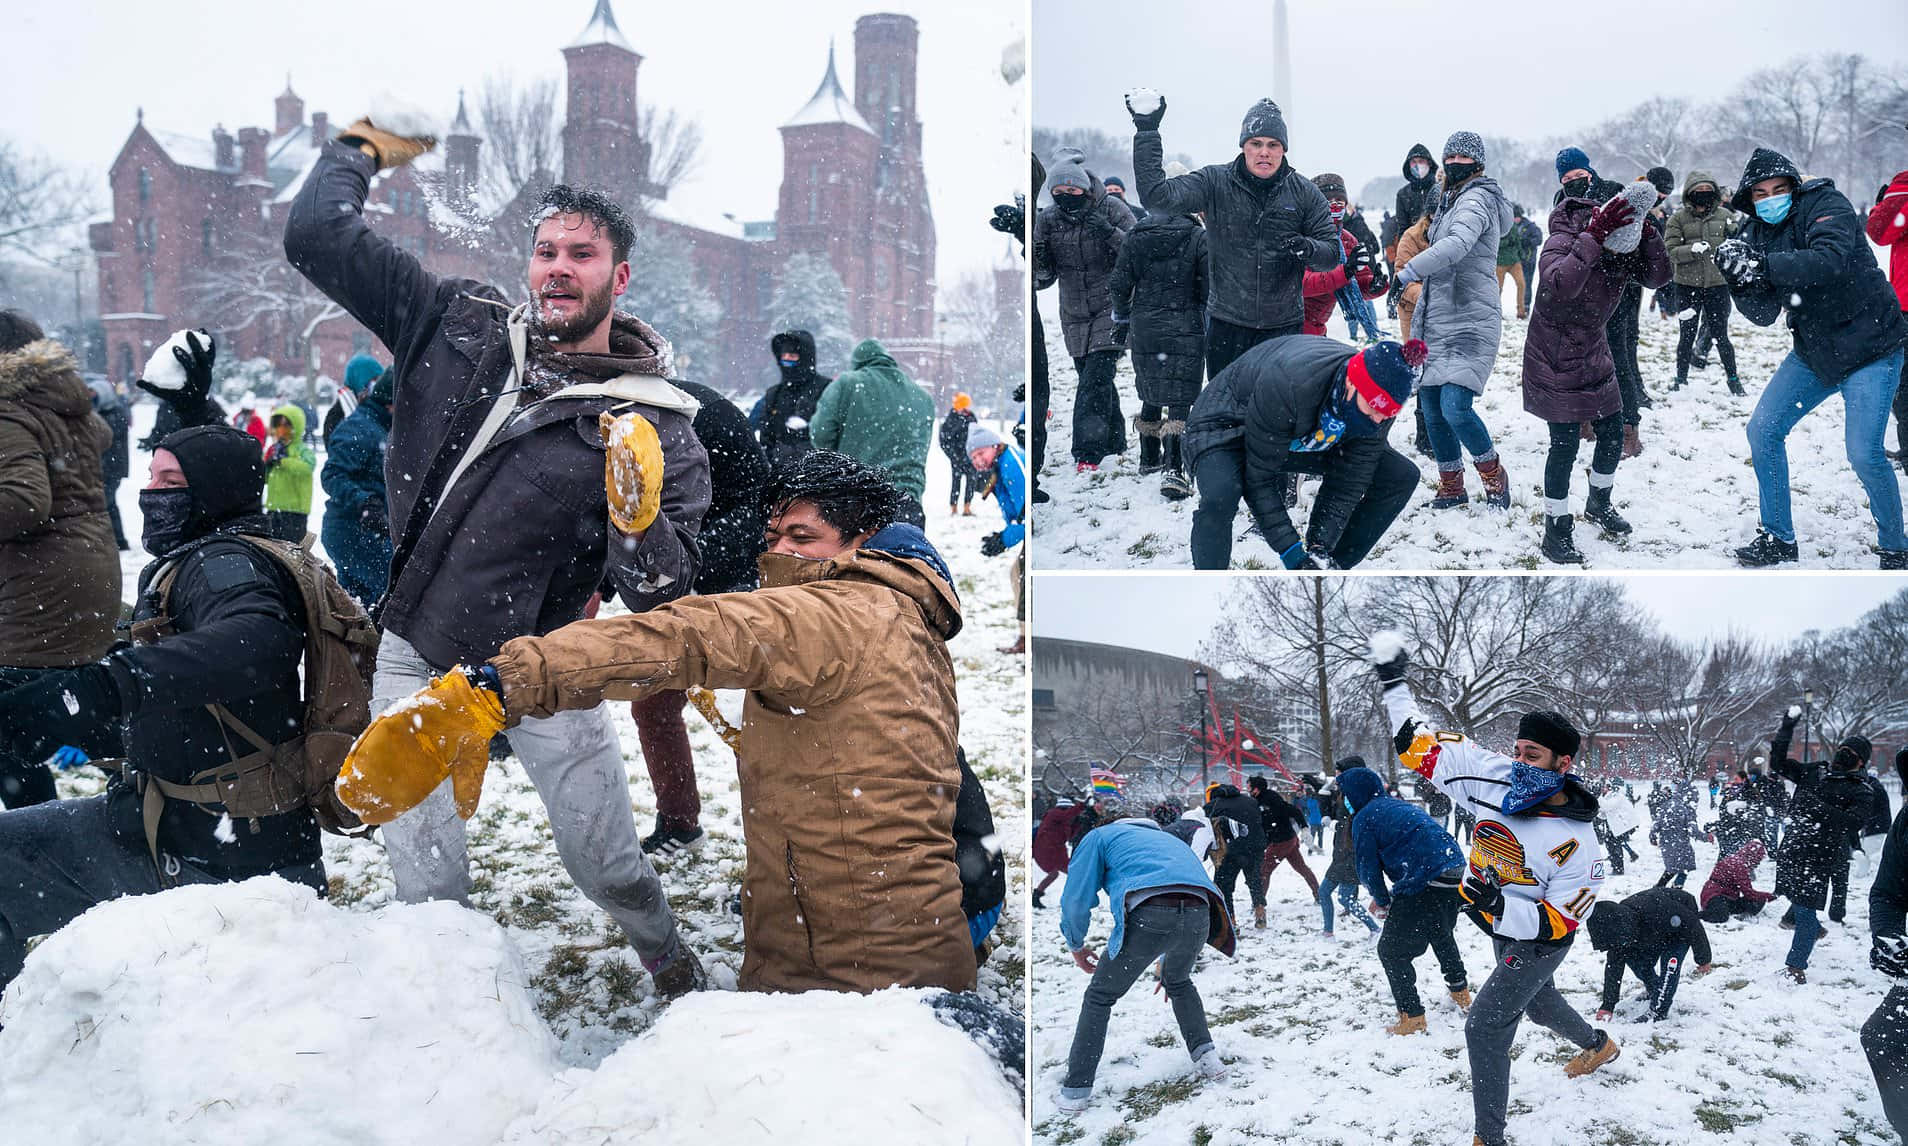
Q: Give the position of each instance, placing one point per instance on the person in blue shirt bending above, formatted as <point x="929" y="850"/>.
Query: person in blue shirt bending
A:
<point x="1003" y="475"/>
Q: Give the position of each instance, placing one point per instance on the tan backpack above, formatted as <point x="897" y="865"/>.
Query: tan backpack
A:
<point x="341" y="649"/>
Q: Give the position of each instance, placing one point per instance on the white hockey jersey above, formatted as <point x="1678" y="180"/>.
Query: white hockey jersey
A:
<point x="1550" y="866"/>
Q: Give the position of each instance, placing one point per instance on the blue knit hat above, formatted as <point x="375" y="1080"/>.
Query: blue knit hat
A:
<point x="1573" y="159"/>
<point x="1383" y="373"/>
<point x="361" y="371"/>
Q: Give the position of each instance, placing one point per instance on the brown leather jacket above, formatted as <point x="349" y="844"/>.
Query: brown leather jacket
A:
<point x="847" y="758"/>
<point x="59" y="564"/>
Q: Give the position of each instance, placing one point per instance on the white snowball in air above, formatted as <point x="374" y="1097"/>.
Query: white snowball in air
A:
<point x="1386" y="644"/>
<point x="1795" y="711"/>
<point x="400" y="117"/>
<point x="797" y="423"/>
<point x="162" y="369"/>
<point x="1143" y="101"/>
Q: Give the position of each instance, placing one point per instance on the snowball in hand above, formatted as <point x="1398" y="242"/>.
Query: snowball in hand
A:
<point x="163" y="371"/>
<point x="1386" y="645"/>
<point x="1143" y="101"/>
<point x="1795" y="712"/>
<point x="390" y="113"/>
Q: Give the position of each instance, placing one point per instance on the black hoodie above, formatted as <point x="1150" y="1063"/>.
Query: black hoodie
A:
<point x="791" y="399"/>
<point x="1411" y="199"/>
<point x="1247" y="829"/>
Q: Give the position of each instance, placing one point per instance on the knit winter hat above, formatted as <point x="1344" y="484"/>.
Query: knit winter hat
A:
<point x="1383" y="374"/>
<point x="1466" y="143"/>
<point x="1113" y="181"/>
<point x="1329" y="183"/>
<point x="223" y="468"/>
<point x="360" y="372"/>
<point x="1858" y="745"/>
<point x="1551" y="730"/>
<point x="1573" y="159"/>
<point x="1661" y="179"/>
<point x="1069" y="173"/>
<point x="963" y="400"/>
<point x="979" y="437"/>
<point x="384" y="390"/>
<point x="1264" y="120"/>
<point x="1641" y="197"/>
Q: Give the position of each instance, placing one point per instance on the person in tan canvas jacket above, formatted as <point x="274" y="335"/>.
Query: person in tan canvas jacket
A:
<point x="847" y="748"/>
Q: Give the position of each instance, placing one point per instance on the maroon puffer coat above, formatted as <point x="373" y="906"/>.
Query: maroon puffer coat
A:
<point x="1569" y="375"/>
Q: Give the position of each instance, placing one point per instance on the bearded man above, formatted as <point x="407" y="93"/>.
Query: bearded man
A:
<point x="502" y="525"/>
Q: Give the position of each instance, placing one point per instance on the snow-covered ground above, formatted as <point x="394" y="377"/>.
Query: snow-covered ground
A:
<point x="1690" y="496"/>
<point x="1745" y="1056"/>
<point x="582" y="981"/>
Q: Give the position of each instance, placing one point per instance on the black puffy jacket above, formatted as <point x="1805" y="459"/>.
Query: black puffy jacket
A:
<point x="1409" y="204"/>
<point x="1160" y="285"/>
<point x="1255" y="283"/>
<point x="791" y="399"/>
<point x="731" y="536"/>
<point x="1825" y="813"/>
<point x="1246" y="827"/>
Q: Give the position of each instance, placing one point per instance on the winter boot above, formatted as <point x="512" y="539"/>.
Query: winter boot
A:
<point x="1450" y="490"/>
<point x="1767" y="549"/>
<point x="1421" y="439"/>
<point x="1894" y="559"/>
<point x="1735" y="386"/>
<point x="1598" y="509"/>
<point x="1795" y="974"/>
<point x="1558" y="545"/>
<point x="1462" y="997"/>
<point x="1176" y="486"/>
<point x="1496" y="482"/>
<point x="1632" y="439"/>
<point x="1258" y="916"/>
<point x="1682" y="379"/>
<point x="1590" y="1058"/>
<point x="1149" y="459"/>
<point x="681" y="975"/>
<point x="1408" y="1025"/>
<point x="1036" y="898"/>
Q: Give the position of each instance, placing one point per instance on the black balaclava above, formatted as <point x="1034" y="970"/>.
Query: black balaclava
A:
<point x="225" y="479"/>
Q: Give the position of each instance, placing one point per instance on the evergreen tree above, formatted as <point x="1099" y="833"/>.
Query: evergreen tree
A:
<point x="663" y="292"/>
<point x="809" y="296"/>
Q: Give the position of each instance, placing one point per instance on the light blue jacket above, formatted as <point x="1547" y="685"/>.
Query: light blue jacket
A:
<point x="1010" y="493"/>
<point x="1124" y="858"/>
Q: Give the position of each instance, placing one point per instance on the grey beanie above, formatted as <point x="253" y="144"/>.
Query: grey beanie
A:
<point x="1265" y="119"/>
<point x="1069" y="172"/>
<point x="1466" y="143"/>
<point x="979" y="437"/>
<point x="1641" y="196"/>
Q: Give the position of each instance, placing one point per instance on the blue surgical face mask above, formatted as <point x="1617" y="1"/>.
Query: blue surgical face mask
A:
<point x="1774" y="209"/>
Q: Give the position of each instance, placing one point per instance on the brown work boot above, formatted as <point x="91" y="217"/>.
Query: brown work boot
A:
<point x="1258" y="916"/>
<point x="1591" y="1058"/>
<point x="1407" y="1025"/>
<point x="1018" y="647"/>
<point x="1450" y="490"/>
<point x="1496" y="483"/>
<point x="1462" y="997"/>
<point x="1632" y="440"/>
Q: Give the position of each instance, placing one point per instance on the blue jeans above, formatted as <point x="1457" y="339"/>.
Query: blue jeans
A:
<point x="1348" y="899"/>
<point x="1451" y="423"/>
<point x="1867" y="395"/>
<point x="1168" y="932"/>
<point x="1808" y="929"/>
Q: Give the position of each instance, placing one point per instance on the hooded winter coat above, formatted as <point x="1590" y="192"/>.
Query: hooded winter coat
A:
<point x="1394" y="840"/>
<point x="877" y="414"/>
<point x="847" y="759"/>
<point x="1412" y="198"/>
<point x="1160" y="285"/>
<point x="1734" y="876"/>
<point x="731" y="536"/>
<point x="59" y="563"/>
<point x="1673" y="830"/>
<point x="1686" y="228"/>
<point x="357" y="524"/>
<point x="523" y="539"/>
<point x="1888" y="227"/>
<point x="1255" y="281"/>
<point x="1079" y="250"/>
<point x="1460" y="314"/>
<point x="288" y="479"/>
<point x="1569" y="373"/>
<point x="1050" y="839"/>
<point x="1245" y="827"/>
<point x="1825" y="813"/>
<point x="1842" y="312"/>
<point x="1644" y="928"/>
<point x="789" y="405"/>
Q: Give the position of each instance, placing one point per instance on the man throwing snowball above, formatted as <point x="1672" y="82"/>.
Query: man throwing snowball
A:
<point x="535" y="452"/>
<point x="1531" y="881"/>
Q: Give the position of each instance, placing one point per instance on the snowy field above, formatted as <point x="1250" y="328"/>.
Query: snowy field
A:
<point x="586" y="999"/>
<point x="1690" y="496"/>
<point x="1745" y="1057"/>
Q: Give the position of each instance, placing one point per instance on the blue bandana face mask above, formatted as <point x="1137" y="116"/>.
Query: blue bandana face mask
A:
<point x="1774" y="209"/>
<point x="1530" y="786"/>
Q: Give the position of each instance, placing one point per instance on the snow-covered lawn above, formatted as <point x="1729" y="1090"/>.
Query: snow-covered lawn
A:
<point x="1745" y="1056"/>
<point x="1691" y="495"/>
<point x="582" y="980"/>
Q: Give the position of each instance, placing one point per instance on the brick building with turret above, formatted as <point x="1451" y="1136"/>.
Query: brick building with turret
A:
<point x="196" y="219"/>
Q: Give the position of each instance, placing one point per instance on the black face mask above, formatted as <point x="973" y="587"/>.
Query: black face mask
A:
<point x="1071" y="204"/>
<point x="1456" y="173"/>
<point x="166" y="515"/>
<point x="1703" y="200"/>
<point x="1578" y="188"/>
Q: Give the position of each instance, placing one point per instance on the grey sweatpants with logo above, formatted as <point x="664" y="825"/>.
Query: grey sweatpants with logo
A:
<point x="1520" y="984"/>
<point x="577" y="765"/>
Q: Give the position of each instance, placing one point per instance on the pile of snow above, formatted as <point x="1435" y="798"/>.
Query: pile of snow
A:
<point x="163" y="371"/>
<point x="1143" y="101"/>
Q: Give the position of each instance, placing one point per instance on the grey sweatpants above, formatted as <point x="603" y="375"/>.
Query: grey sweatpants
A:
<point x="574" y="760"/>
<point x="1520" y="984"/>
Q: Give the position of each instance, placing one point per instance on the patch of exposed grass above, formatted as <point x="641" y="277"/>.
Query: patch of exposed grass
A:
<point x="1146" y="1101"/>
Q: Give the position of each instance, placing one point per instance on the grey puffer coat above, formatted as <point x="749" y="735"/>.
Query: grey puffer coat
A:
<point x="1460" y="313"/>
<point x="1078" y="251"/>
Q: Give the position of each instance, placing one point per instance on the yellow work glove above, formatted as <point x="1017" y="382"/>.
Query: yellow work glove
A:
<point x="632" y="470"/>
<point x="441" y="730"/>
<point x="387" y="148"/>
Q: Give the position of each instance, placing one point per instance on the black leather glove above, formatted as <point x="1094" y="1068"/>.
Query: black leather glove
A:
<point x="1481" y="893"/>
<point x="1401" y="740"/>
<point x="198" y="371"/>
<point x="1889" y="955"/>
<point x="1296" y="245"/>
<point x="992" y="545"/>
<point x="1149" y="121"/>
<point x="1010" y="218"/>
<point x="60" y="708"/>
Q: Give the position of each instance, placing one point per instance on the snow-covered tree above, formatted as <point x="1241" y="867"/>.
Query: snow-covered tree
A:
<point x="809" y="296"/>
<point x="663" y="292"/>
<point x="41" y="206"/>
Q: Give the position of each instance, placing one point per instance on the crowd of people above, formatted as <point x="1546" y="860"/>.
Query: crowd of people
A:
<point x="1236" y="255"/>
<point x="511" y="469"/>
<point x="1531" y="875"/>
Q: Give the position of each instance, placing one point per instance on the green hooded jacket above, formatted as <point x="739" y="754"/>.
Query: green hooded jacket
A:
<point x="288" y="480"/>
<point x="877" y="414"/>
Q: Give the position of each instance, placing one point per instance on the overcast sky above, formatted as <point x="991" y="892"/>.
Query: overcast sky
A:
<point x="76" y="72"/>
<point x="1372" y="77"/>
<point x="1175" y="613"/>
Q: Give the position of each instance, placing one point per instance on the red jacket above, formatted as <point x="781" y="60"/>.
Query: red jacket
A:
<point x="253" y="425"/>
<point x="1050" y="840"/>
<point x="1321" y="288"/>
<point x="1888" y="227"/>
<point x="1734" y="876"/>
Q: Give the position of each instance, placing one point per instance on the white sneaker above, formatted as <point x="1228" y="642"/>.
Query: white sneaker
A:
<point x="1065" y="1105"/>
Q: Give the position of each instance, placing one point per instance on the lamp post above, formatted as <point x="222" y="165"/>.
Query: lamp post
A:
<point x="1808" y="701"/>
<point x="1202" y="688"/>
